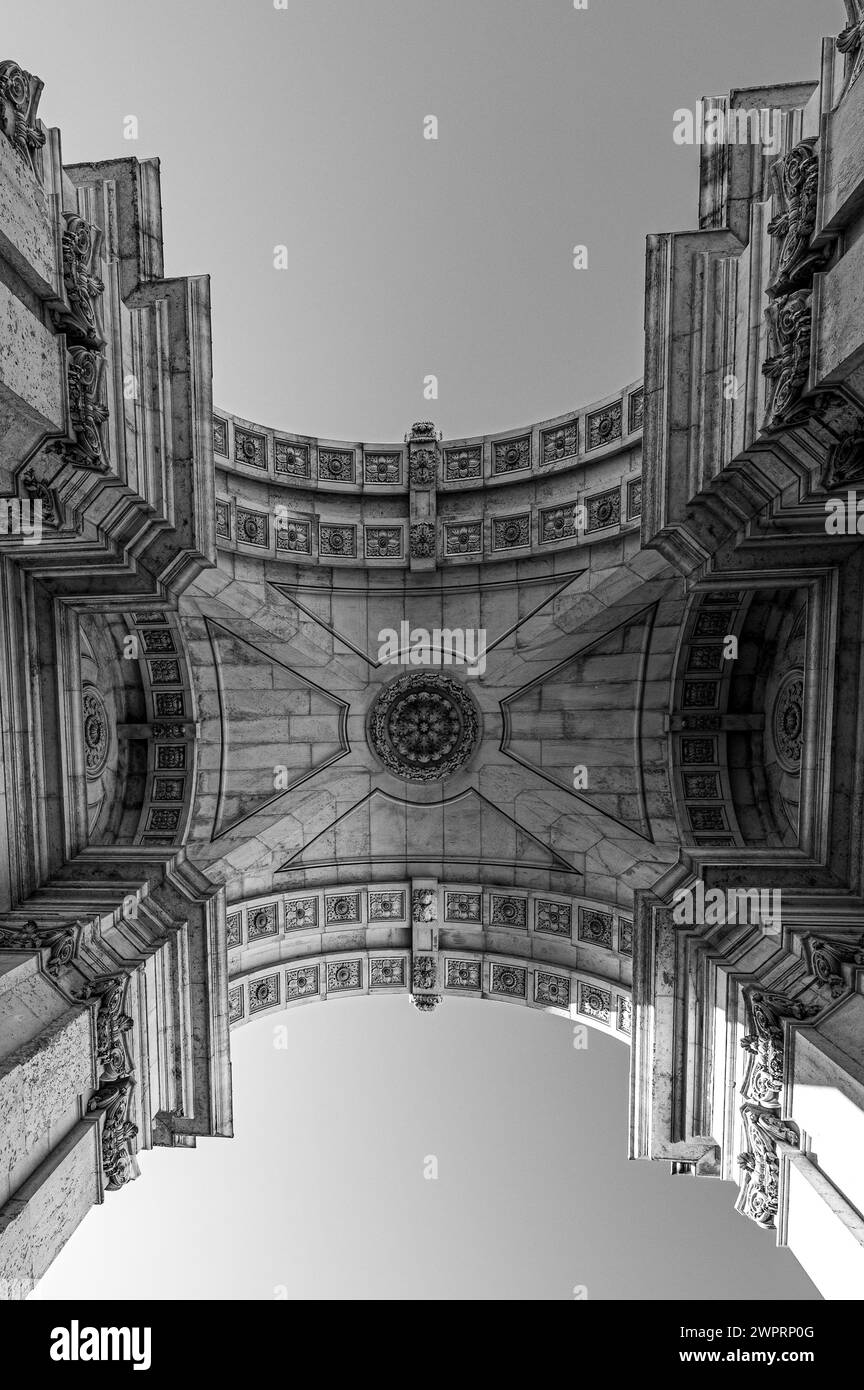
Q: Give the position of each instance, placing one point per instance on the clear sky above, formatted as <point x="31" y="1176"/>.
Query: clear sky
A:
<point x="303" y="127"/>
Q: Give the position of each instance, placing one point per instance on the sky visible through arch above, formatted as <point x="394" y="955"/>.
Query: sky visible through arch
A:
<point x="303" y="127"/>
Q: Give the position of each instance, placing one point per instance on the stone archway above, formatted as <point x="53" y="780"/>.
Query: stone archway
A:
<point x="222" y="766"/>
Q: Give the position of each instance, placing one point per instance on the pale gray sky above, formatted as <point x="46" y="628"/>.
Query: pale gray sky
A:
<point x="407" y="256"/>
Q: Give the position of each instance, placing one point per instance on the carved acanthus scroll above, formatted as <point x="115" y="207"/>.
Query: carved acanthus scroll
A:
<point x="763" y="1124"/>
<point x="19" y="97"/>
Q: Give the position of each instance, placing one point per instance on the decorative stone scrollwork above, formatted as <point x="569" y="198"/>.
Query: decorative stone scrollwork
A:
<point x="424" y="973"/>
<point x="796" y="180"/>
<point x="767" y="1010"/>
<point x="114" y="1097"/>
<point x="80" y="320"/>
<point x="112" y="1024"/>
<point x="424" y="905"/>
<point x="845" y="462"/>
<point x="790" y="325"/>
<point x="19" y="97"/>
<point x="770" y="1123"/>
<point x="764" y="1126"/>
<point x="40" y="492"/>
<point x="760" y="1163"/>
<point x="826" y="957"/>
<point x="425" y="1002"/>
<point x="62" y="941"/>
<point x="87" y="410"/>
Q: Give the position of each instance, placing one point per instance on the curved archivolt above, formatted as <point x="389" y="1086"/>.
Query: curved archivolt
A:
<point x="565" y="955"/>
<point x="573" y="479"/>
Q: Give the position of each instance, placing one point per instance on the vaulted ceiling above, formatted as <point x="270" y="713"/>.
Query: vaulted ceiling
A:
<point x="577" y="673"/>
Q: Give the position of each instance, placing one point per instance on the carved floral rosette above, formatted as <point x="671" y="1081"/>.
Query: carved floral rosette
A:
<point x="423" y="726"/>
<point x="423" y="454"/>
<point x="422" y="540"/>
<point x="424" y="973"/>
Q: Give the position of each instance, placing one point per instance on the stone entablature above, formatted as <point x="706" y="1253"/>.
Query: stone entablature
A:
<point x="558" y="484"/>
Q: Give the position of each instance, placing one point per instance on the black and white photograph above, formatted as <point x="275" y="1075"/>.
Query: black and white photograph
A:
<point x="431" y="591"/>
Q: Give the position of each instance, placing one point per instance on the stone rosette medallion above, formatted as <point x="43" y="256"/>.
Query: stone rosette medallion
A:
<point x="788" y="721"/>
<point x="424" y="726"/>
<point x="96" y="731"/>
